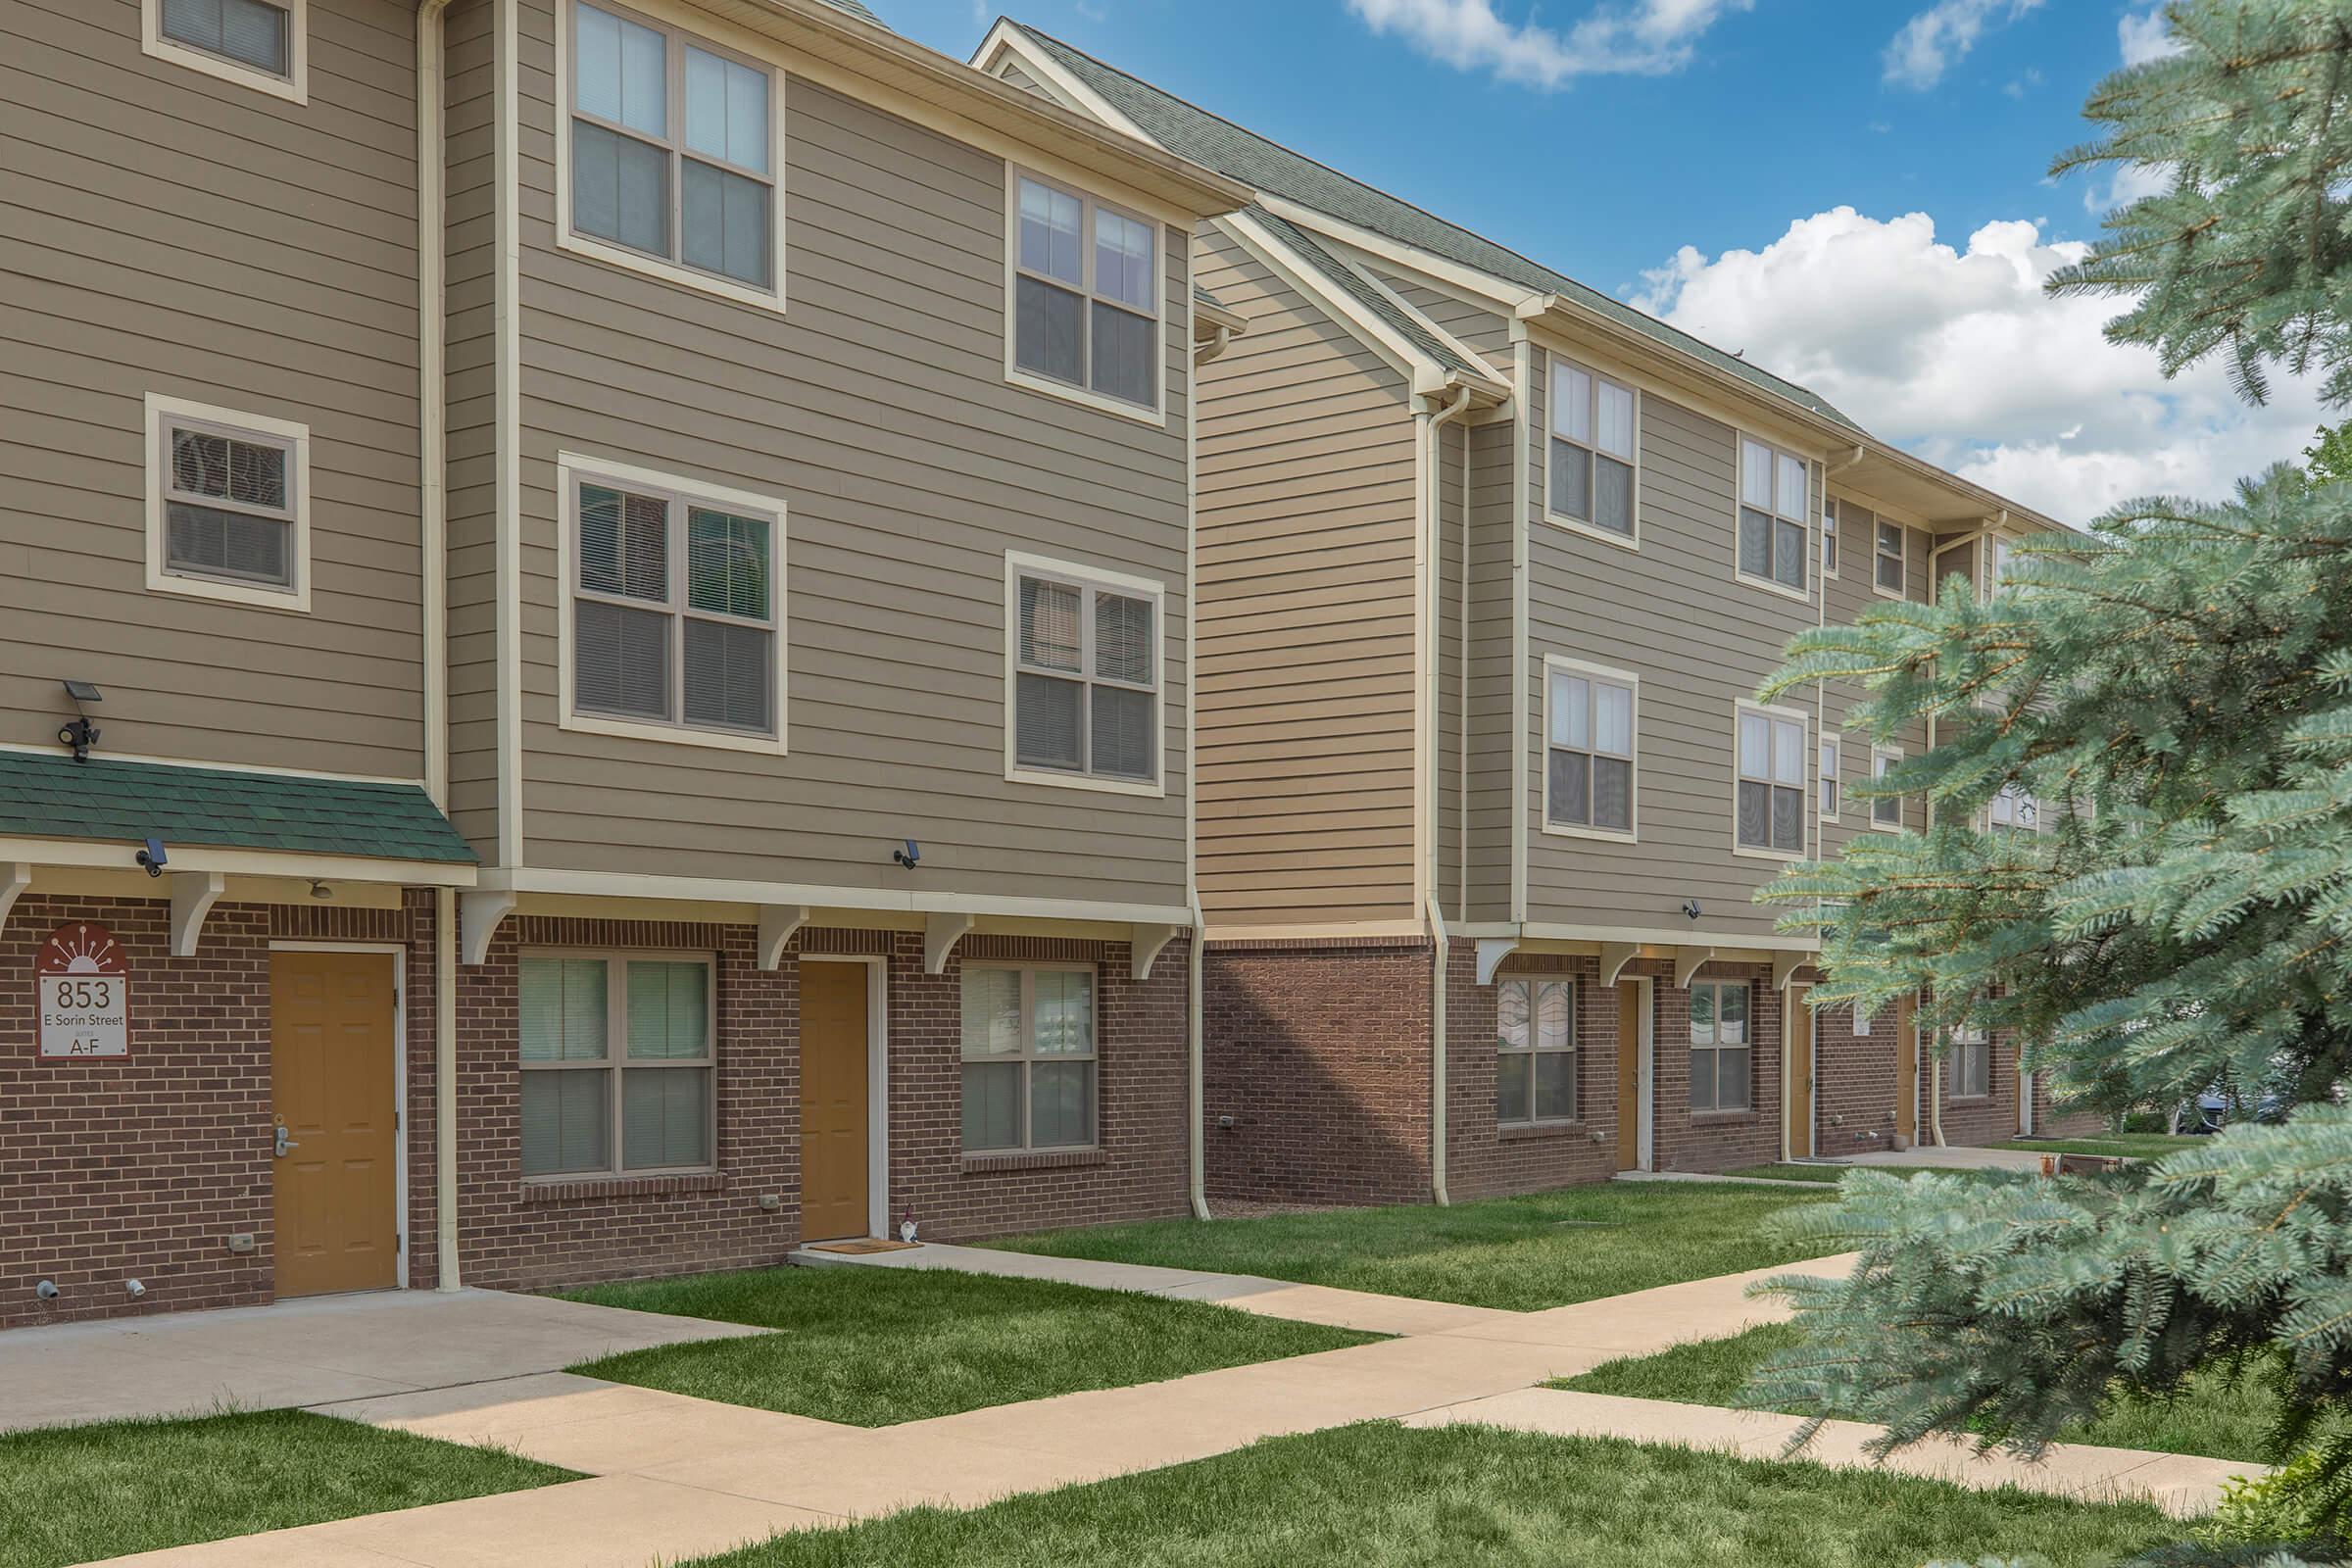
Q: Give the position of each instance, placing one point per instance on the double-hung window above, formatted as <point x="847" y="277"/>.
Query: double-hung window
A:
<point x="1719" y="1060"/>
<point x="1589" y="774"/>
<point x="228" y="505"/>
<point x="1085" y="296"/>
<point x="1886" y="811"/>
<point x="1972" y="1064"/>
<point x="1832" y="774"/>
<point x="1084" y="677"/>
<point x="1592" y="460"/>
<point x="2014" y="810"/>
<point x="1770" y="811"/>
<point x="1535" y="1046"/>
<point x="1775" y="498"/>
<point x="673" y="151"/>
<point x="1829" y="538"/>
<point x="619" y="1063"/>
<point x="1029" y="1056"/>
<point x="1893" y="558"/>
<point x="673" y="625"/>
<point x="256" y="43"/>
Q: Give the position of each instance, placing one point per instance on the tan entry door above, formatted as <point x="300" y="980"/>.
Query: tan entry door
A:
<point x="1629" y="1076"/>
<point x="833" y="1100"/>
<point x="335" y="1175"/>
<point x="1800" y="1077"/>
<point x="1906" y="1072"/>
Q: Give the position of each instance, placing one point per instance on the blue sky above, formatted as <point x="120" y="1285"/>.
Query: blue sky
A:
<point x="1852" y="192"/>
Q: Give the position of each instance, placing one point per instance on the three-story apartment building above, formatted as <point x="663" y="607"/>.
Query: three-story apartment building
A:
<point x="597" y="672"/>
<point x="1491" y="568"/>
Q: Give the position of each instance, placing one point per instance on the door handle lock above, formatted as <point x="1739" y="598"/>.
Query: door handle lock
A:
<point x="281" y="1143"/>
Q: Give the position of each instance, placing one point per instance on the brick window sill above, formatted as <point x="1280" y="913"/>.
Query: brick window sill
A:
<point x="1064" y="1160"/>
<point x="565" y="1190"/>
<point x="1536" y="1132"/>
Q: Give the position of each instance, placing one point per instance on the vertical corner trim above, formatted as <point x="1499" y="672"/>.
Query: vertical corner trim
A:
<point x="778" y="924"/>
<point x="193" y="895"/>
<point x="479" y="915"/>
<point x="1145" y="947"/>
<point x="1491" y="951"/>
<point x="1614" y="957"/>
<point x="15" y="877"/>
<point x="940" y="933"/>
<point x="1687" y="962"/>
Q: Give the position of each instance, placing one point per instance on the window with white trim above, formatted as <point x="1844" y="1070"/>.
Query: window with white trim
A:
<point x="1029" y="1058"/>
<point x="1775" y="499"/>
<point x="1972" y="1064"/>
<point x="1594" y="459"/>
<point x="1893" y="558"/>
<point x="228" y="505"/>
<point x="1535" y="1046"/>
<point x="1829" y="538"/>
<point x="620" y="1062"/>
<point x="1886" y="811"/>
<point x="2014" y="810"/>
<point x="675" y="606"/>
<point x="1831" y="765"/>
<point x="261" y="44"/>
<point x="1085" y="676"/>
<point x="673" y="147"/>
<point x="1770" y="809"/>
<point x="2000" y="568"/>
<point x="1588" y="775"/>
<point x="1086" y="294"/>
<point x="1861" y="1024"/>
<point x="1719" y="1046"/>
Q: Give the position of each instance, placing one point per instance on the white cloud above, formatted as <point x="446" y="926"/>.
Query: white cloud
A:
<point x="2140" y="39"/>
<point x="1941" y="36"/>
<point x="1636" y="37"/>
<point x="1958" y="355"/>
<point x="2144" y="38"/>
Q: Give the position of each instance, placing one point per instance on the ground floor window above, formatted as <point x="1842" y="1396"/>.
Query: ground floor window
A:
<point x="1029" y="1058"/>
<point x="1719" y="1046"/>
<point x="619" y="1063"/>
<point x="1972" y="1064"/>
<point x="1535" y="1045"/>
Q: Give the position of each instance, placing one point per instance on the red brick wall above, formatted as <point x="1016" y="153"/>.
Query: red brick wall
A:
<point x="1854" y="1084"/>
<point x="1487" y="1159"/>
<point x="1715" y="1141"/>
<point x="1318" y="1053"/>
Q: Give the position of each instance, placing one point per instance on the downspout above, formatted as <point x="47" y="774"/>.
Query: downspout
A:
<point x="1440" y="945"/>
<point x="1195" y="1095"/>
<point x="433" y="520"/>
<point x="1196" y="1170"/>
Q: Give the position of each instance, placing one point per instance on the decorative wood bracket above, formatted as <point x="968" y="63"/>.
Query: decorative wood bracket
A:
<point x="480" y="913"/>
<point x="1614" y="957"/>
<point x="15" y="877"/>
<point x="1785" y="967"/>
<point x="778" y="924"/>
<point x="1145" y="947"/>
<point x="1687" y="962"/>
<point x="193" y="895"/>
<point x="940" y="933"/>
<point x="1491" y="951"/>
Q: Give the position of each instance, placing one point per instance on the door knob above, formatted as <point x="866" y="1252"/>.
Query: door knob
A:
<point x="282" y="1143"/>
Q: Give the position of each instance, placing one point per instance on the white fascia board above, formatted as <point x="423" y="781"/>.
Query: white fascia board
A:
<point x="1507" y="297"/>
<point x="717" y="889"/>
<point x="1006" y="37"/>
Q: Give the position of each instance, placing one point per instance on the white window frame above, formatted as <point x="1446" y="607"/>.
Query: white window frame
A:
<point x="1829" y="782"/>
<point x="2009" y="798"/>
<point x="1534" y="985"/>
<point x="1714" y="1046"/>
<point x="1804" y="520"/>
<point x="1882" y="757"/>
<point x="1553" y="363"/>
<point x="1092" y="579"/>
<point x="1030" y="1057"/>
<point x="1970" y="1043"/>
<point x="294" y="87"/>
<point x="1631" y="834"/>
<point x="616" y="1065"/>
<point x="1808" y="789"/>
<point x="1833" y="536"/>
<point x="636" y="260"/>
<point x="1861" y="1024"/>
<point x="572" y="470"/>
<point x="1088" y="204"/>
<point x="164" y="413"/>
<point x="1881" y="521"/>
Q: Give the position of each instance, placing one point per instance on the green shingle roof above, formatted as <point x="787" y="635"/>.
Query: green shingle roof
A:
<point x="857" y="10"/>
<point x="1190" y="132"/>
<point x="54" y="796"/>
<point x="1352" y="283"/>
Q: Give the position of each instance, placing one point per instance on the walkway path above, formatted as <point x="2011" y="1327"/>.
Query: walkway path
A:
<point x="674" y="1477"/>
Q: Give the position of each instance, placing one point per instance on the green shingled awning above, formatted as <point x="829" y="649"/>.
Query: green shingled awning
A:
<point x="45" y="797"/>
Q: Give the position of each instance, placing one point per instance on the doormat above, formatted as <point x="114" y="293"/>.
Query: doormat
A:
<point x="861" y="1249"/>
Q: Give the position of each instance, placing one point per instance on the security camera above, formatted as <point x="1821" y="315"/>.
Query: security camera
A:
<point x="153" y="857"/>
<point x="909" y="856"/>
<point x="1691" y="909"/>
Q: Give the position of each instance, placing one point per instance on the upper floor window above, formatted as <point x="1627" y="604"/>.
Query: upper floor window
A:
<point x="672" y="625"/>
<point x="1535" y="1046"/>
<point x="1588" y="773"/>
<point x="673" y="154"/>
<point x="1775" y="498"/>
<point x="1770" y="811"/>
<point x="1829" y="538"/>
<point x="255" y="43"/>
<point x="1084" y="296"/>
<point x="1831" y="773"/>
<point x="227" y="504"/>
<point x="1886" y="811"/>
<point x="1029" y="1058"/>
<point x="1893" y="567"/>
<point x="1719" y="1046"/>
<point x="2013" y="810"/>
<point x="620" y="1064"/>
<point x="1083" y="678"/>
<point x="1593" y="464"/>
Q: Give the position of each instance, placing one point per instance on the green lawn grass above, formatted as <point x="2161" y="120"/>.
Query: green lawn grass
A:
<point x="70" y="1495"/>
<point x="875" y="1346"/>
<point x="1791" y="1173"/>
<point x="1518" y="1254"/>
<point x="1380" y="1496"/>
<point x="2129" y="1146"/>
<point x="2214" y="1417"/>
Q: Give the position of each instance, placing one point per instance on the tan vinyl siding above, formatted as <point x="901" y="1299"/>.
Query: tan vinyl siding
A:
<point x="1493" y="737"/>
<point x="1484" y="331"/>
<point x="1306" y="517"/>
<point x="470" y="375"/>
<point x="164" y="231"/>
<point x="876" y="410"/>
<point x="1700" y="640"/>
